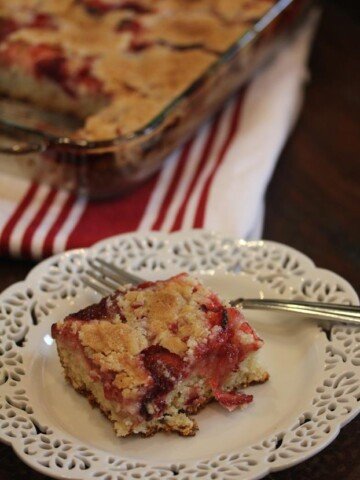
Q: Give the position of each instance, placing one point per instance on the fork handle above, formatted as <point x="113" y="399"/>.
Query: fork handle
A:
<point x="328" y="311"/>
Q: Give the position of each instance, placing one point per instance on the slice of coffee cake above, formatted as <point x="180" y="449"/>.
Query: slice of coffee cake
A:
<point x="150" y="355"/>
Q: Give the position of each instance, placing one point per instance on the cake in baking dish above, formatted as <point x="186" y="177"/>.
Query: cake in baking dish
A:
<point x="152" y="355"/>
<point x="114" y="63"/>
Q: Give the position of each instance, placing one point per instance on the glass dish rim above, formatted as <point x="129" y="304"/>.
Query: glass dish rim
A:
<point x="69" y="143"/>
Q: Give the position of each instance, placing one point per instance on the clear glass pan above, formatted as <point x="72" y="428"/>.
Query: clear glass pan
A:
<point x="112" y="167"/>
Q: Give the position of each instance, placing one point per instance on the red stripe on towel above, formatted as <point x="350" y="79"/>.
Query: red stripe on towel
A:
<point x="200" y="213"/>
<point x="172" y="187"/>
<point x="31" y="229"/>
<point x="102" y="219"/>
<point x="48" y="246"/>
<point x="204" y="156"/>
<point x="15" y="217"/>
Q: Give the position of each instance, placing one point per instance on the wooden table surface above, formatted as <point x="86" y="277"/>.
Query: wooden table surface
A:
<point x="313" y="204"/>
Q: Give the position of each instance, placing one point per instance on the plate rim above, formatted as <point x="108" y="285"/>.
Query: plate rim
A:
<point x="182" y="235"/>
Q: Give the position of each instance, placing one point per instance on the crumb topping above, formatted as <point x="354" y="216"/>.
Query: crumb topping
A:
<point x="106" y="337"/>
<point x="137" y="55"/>
<point x="170" y="310"/>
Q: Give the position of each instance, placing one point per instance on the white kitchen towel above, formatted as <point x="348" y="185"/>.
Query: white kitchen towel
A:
<point x="217" y="180"/>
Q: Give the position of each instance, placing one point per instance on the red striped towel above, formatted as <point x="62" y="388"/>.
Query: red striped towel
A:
<point x="216" y="180"/>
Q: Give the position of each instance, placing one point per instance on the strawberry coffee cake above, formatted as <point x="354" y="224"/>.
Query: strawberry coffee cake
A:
<point x="115" y="64"/>
<point x="152" y="355"/>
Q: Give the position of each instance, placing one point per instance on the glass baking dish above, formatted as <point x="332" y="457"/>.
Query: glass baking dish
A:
<point x="101" y="169"/>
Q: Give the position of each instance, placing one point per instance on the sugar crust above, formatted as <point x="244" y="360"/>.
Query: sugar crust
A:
<point x="141" y="58"/>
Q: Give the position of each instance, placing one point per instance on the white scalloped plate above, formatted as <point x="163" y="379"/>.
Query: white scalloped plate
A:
<point x="314" y="387"/>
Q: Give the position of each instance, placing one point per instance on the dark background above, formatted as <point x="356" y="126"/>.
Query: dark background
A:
<point x="313" y="204"/>
<point x="313" y="201"/>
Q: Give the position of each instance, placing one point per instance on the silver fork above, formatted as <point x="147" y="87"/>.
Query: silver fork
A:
<point x="105" y="278"/>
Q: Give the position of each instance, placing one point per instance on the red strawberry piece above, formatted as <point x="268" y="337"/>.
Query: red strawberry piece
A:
<point x="231" y="400"/>
<point x="165" y="367"/>
<point x="7" y="27"/>
<point x="129" y="25"/>
<point x="43" y="20"/>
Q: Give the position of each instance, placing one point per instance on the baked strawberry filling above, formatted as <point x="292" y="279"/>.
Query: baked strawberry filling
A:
<point x="223" y="352"/>
<point x="38" y="20"/>
<point x="7" y="27"/>
<point x="166" y="369"/>
<point x="129" y="25"/>
<point x="50" y="62"/>
<point x="138" y="45"/>
<point x="231" y="400"/>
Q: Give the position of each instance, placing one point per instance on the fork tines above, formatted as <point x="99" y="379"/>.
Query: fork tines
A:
<point x="105" y="277"/>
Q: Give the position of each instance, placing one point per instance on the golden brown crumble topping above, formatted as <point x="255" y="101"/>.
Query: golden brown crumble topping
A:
<point x="105" y="337"/>
<point x="128" y="59"/>
<point x="171" y="311"/>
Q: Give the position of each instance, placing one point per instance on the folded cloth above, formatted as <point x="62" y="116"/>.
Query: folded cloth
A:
<point x="217" y="180"/>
